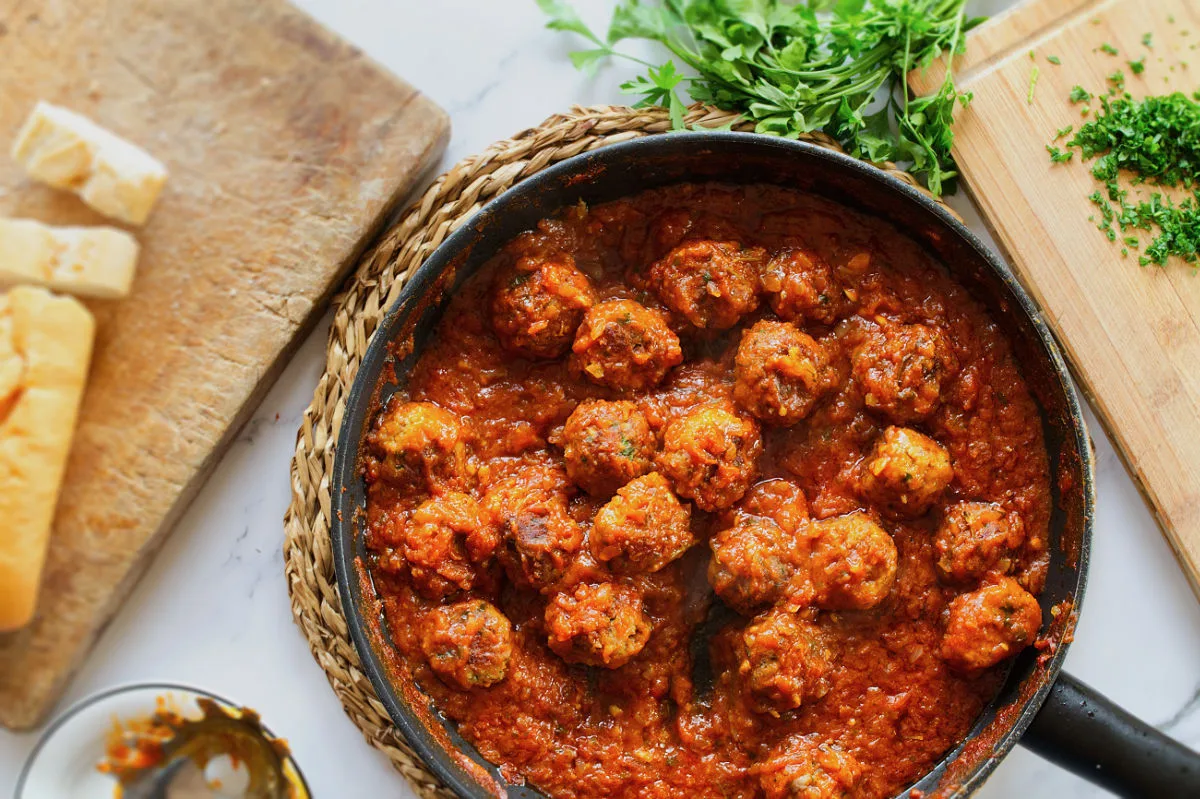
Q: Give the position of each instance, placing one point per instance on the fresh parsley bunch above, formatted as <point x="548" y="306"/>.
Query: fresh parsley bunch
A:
<point x="836" y="66"/>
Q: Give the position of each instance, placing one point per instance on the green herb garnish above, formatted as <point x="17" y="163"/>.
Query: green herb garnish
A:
<point x="837" y="66"/>
<point x="1055" y="60"/>
<point x="1080" y="95"/>
<point x="1108" y="48"/>
<point x="1137" y="67"/>
<point x="1059" y="156"/>
<point x="1154" y="141"/>
<point x="1117" y="79"/>
<point x="1148" y="39"/>
<point x="1033" y="79"/>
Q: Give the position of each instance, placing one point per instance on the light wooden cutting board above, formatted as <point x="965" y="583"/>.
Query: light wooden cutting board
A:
<point x="286" y="147"/>
<point x="1132" y="333"/>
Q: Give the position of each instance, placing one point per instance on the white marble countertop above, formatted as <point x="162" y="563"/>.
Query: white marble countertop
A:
<point x="213" y="610"/>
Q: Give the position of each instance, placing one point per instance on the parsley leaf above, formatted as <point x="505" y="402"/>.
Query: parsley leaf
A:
<point x="657" y="87"/>
<point x="1108" y="48"/>
<point x="1059" y="156"/>
<point x="1080" y="95"/>
<point x="564" y="18"/>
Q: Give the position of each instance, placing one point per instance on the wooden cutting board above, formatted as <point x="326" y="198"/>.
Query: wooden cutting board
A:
<point x="1132" y="333"/>
<point x="286" y="148"/>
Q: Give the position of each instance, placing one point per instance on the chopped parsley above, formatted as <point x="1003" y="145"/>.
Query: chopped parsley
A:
<point x="1059" y="156"/>
<point x="1108" y="48"/>
<point x="1137" y="67"/>
<point x="1055" y="60"/>
<point x="1117" y="79"/>
<point x="1080" y="95"/>
<point x="1153" y="142"/>
<point x="1033" y="79"/>
<point x="1148" y="40"/>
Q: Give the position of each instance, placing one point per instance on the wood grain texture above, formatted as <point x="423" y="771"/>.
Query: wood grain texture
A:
<point x="286" y="147"/>
<point x="1132" y="333"/>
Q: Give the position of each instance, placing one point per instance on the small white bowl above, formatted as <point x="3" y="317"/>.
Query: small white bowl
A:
<point x="63" y="764"/>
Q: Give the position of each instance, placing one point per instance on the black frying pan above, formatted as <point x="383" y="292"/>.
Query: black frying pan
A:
<point x="1050" y="712"/>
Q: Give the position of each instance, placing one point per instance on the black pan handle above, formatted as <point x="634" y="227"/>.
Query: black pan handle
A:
<point x="1085" y="733"/>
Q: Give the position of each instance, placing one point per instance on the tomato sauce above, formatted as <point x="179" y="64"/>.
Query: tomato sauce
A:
<point x="637" y="719"/>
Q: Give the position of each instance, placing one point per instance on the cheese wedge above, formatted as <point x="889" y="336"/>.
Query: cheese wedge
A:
<point x="86" y="261"/>
<point x="45" y="348"/>
<point x="71" y="152"/>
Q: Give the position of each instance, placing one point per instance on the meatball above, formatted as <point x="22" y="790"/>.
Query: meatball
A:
<point x="526" y="480"/>
<point x="541" y="538"/>
<point x="801" y="288"/>
<point x="469" y="644"/>
<point x="597" y="625"/>
<point x="711" y="455"/>
<point x="853" y="563"/>
<point x="537" y="304"/>
<point x="416" y="446"/>
<point x="443" y="541"/>
<point x="803" y="768"/>
<point x="671" y="227"/>
<point x="905" y="473"/>
<point x="643" y="528"/>
<point x="784" y="661"/>
<point x="780" y="373"/>
<point x="976" y="538"/>
<point x="755" y="563"/>
<point x="625" y="346"/>
<point x="901" y="370"/>
<point x="779" y="500"/>
<point x="710" y="284"/>
<point x="988" y="625"/>
<point x="607" y="444"/>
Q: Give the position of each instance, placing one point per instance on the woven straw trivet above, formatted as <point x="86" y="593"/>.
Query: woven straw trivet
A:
<point x="451" y="200"/>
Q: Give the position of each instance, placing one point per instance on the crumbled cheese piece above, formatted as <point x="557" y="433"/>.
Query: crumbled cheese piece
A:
<point x="87" y="261"/>
<point x="71" y="152"/>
